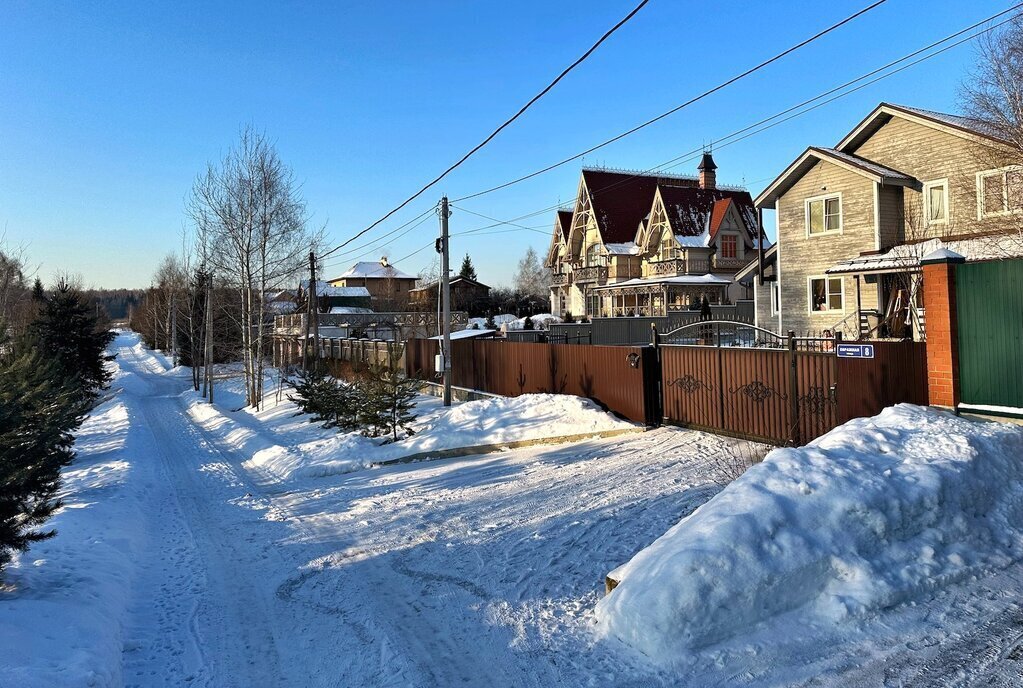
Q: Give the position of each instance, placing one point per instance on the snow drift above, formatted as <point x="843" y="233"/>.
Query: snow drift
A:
<point x="283" y="446"/>
<point x="873" y="514"/>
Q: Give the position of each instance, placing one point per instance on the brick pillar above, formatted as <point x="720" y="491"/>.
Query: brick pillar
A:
<point x="939" y="272"/>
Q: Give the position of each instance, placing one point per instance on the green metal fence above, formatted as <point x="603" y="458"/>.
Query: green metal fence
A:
<point x="989" y="305"/>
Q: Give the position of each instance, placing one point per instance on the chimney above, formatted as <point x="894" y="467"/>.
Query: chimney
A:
<point x="383" y="261"/>
<point x="708" y="178"/>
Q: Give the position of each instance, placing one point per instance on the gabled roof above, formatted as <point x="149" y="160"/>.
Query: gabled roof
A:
<point x="883" y="113"/>
<point x="853" y="163"/>
<point x="698" y="213"/>
<point x="373" y="270"/>
<point x="621" y="200"/>
<point x="457" y="279"/>
<point x="563" y="222"/>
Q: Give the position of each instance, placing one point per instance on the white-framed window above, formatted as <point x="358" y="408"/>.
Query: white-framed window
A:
<point x="824" y="215"/>
<point x="999" y="192"/>
<point x="825" y="294"/>
<point x="775" y="298"/>
<point x="936" y="202"/>
<point x="593" y="255"/>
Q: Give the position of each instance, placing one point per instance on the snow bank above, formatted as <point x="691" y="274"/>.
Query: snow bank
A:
<point x="541" y="321"/>
<point x="284" y="447"/>
<point x="61" y="615"/>
<point x="875" y="513"/>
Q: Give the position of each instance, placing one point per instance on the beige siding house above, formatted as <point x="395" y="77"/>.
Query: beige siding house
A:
<point x="854" y="220"/>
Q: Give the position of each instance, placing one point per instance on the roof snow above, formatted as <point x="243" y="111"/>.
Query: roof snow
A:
<point x="325" y="289"/>
<point x="373" y="270"/>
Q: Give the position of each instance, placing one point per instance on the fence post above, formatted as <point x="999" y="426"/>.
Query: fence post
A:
<point x="655" y="416"/>
<point x="793" y="391"/>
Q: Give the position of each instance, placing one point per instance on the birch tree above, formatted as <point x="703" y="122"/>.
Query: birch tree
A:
<point x="249" y="211"/>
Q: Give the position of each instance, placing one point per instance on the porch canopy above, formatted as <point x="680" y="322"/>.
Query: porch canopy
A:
<point x="659" y="295"/>
<point x="906" y="257"/>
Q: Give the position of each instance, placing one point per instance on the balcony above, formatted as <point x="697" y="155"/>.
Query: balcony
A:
<point x="678" y="266"/>
<point x="593" y="273"/>
<point x="559" y="279"/>
<point x="728" y="263"/>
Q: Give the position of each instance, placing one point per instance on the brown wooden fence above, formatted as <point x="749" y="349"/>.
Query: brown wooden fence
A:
<point x="621" y="379"/>
<point x="783" y="396"/>
<point x="775" y="395"/>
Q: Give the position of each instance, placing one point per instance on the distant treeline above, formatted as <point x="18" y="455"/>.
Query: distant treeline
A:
<point x="116" y="302"/>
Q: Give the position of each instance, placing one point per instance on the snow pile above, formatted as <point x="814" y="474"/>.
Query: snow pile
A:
<point x="541" y="321"/>
<point x="498" y="320"/>
<point x="284" y="447"/>
<point x="875" y="513"/>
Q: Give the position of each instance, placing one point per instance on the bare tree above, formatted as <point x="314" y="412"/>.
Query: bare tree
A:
<point x="993" y="96"/>
<point x="532" y="279"/>
<point x="252" y="225"/>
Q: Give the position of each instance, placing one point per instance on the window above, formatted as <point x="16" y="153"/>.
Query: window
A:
<point x="593" y="256"/>
<point x="775" y="298"/>
<point x="669" y="247"/>
<point x="936" y="202"/>
<point x="729" y="246"/>
<point x="823" y="215"/>
<point x="999" y="192"/>
<point x="826" y="294"/>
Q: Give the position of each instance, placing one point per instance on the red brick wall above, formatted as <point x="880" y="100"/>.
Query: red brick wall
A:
<point x="942" y="335"/>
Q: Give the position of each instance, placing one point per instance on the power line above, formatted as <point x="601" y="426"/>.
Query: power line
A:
<point x="675" y="109"/>
<point x="492" y="219"/>
<point x="505" y="124"/>
<point x="770" y="122"/>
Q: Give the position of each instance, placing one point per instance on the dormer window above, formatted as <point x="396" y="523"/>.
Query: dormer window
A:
<point x="669" y="247"/>
<point x="729" y="246"/>
<point x="593" y="256"/>
<point x="824" y="215"/>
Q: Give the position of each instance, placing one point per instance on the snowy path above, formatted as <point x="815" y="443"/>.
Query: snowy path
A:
<point x="469" y="572"/>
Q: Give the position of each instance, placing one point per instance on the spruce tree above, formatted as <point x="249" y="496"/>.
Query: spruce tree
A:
<point x="389" y="398"/>
<point x="528" y="324"/>
<point x="489" y="323"/>
<point x="68" y="331"/>
<point x="467" y="271"/>
<point x="38" y="293"/>
<point x="39" y="410"/>
<point x="332" y="402"/>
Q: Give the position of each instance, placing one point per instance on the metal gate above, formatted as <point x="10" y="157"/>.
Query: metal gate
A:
<point x="989" y="306"/>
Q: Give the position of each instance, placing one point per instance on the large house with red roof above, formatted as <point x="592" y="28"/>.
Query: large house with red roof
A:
<point x="642" y="244"/>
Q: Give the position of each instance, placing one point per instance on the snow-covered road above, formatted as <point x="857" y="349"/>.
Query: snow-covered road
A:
<point x="462" y="572"/>
<point x="178" y="562"/>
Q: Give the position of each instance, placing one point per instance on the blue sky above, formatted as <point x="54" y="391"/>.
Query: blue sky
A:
<point x="108" y="110"/>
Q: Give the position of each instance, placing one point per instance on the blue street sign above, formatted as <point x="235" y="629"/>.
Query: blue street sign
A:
<point x="855" y="350"/>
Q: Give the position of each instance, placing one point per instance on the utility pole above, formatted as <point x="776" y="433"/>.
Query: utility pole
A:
<point x="209" y="337"/>
<point x="310" y="295"/>
<point x="315" y="299"/>
<point x="445" y="278"/>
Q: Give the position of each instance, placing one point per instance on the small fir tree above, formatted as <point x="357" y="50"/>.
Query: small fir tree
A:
<point x="70" y="333"/>
<point x="39" y="410"/>
<point x="467" y="271"/>
<point x="389" y="398"/>
<point x="38" y="293"/>
<point x="527" y="324"/>
<point x="568" y="319"/>
<point x="489" y="323"/>
<point x="328" y="401"/>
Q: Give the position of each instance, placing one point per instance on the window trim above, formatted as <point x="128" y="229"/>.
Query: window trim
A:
<point x="943" y="183"/>
<point x="824" y="198"/>
<point x="721" y="245"/>
<point x="1003" y="171"/>
<point x="809" y="294"/>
